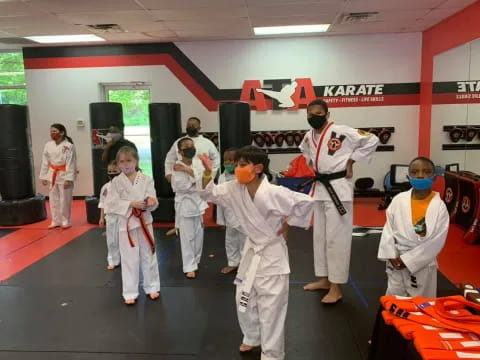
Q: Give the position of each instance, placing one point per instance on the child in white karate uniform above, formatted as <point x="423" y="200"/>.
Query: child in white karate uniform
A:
<point x="132" y="198"/>
<point x="263" y="275"/>
<point x="414" y="234"/>
<point x="234" y="237"/>
<point x="189" y="207"/>
<point x="110" y="220"/>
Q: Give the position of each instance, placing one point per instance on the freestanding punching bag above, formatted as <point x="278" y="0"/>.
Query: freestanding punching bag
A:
<point x="102" y="116"/>
<point x="165" y="128"/>
<point x="234" y="125"/>
<point x="19" y="204"/>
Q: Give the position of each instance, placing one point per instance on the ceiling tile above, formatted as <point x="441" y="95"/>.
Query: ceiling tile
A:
<point x="67" y="6"/>
<point x="124" y="36"/>
<point x="306" y="3"/>
<point x="25" y="21"/>
<point x="199" y="25"/>
<point x="114" y="17"/>
<point x="201" y="13"/>
<point x="440" y="14"/>
<point x="456" y="3"/>
<point x="144" y="26"/>
<point x="190" y="4"/>
<point x="293" y="10"/>
<point x="16" y="9"/>
<point x="381" y="5"/>
<point x="49" y="30"/>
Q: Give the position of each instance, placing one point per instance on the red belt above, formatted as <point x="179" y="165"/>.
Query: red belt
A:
<point x="56" y="169"/>
<point x="146" y="231"/>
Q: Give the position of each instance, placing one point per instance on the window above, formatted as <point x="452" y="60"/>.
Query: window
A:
<point x="12" y="79"/>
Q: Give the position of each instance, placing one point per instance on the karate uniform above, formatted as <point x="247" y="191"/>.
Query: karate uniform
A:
<point x="59" y="164"/>
<point x="329" y="153"/>
<point x="418" y="253"/>
<point x="112" y="227"/>
<point x="189" y="210"/>
<point x="122" y="193"/>
<point x="262" y="279"/>
<point x="234" y="236"/>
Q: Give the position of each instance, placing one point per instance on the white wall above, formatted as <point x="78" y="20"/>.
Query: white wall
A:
<point x="63" y="95"/>
<point x="458" y="64"/>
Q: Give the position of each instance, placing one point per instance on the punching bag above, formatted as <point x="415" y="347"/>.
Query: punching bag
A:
<point x="102" y="116"/>
<point x="165" y="128"/>
<point x="16" y="180"/>
<point x="234" y="118"/>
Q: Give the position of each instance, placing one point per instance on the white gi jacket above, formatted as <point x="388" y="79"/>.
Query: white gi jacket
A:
<point x="58" y="155"/>
<point x="225" y="215"/>
<point x="399" y="237"/>
<point x="262" y="218"/>
<point x="188" y="202"/>
<point x="338" y="144"/>
<point x="123" y="192"/>
<point x="202" y="146"/>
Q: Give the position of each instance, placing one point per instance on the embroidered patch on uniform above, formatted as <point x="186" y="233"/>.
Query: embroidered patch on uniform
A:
<point x="105" y="192"/>
<point x="335" y="143"/>
<point x="363" y="132"/>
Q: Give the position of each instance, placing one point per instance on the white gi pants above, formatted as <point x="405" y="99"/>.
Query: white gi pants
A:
<point x="191" y="241"/>
<point x="332" y="241"/>
<point x="234" y="242"/>
<point x="135" y="257"/>
<point x="264" y="321"/>
<point x="61" y="204"/>
<point x="404" y="283"/>
<point x="112" y="230"/>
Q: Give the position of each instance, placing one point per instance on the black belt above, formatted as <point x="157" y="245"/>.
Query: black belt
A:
<point x="325" y="180"/>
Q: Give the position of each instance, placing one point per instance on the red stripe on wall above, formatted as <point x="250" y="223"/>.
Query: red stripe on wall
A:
<point x="454" y="31"/>
<point x="456" y="98"/>
<point x="374" y="100"/>
<point x="127" y="60"/>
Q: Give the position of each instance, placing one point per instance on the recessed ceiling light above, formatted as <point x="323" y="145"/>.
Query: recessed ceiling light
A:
<point x="64" y="38"/>
<point x="293" y="29"/>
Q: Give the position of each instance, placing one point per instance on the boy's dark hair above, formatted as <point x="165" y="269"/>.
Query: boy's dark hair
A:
<point x="181" y="141"/>
<point x="424" y="159"/>
<point x="232" y="149"/>
<point x="195" y="118"/>
<point x="112" y="163"/>
<point x="319" y="102"/>
<point x="256" y="156"/>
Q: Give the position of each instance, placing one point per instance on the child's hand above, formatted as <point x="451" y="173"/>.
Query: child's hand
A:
<point x="284" y="230"/>
<point x="206" y="161"/>
<point x="67" y="184"/>
<point x="138" y="205"/>
<point x="397" y="263"/>
<point x="179" y="167"/>
<point x="44" y="182"/>
<point x="101" y="222"/>
<point x="151" y="201"/>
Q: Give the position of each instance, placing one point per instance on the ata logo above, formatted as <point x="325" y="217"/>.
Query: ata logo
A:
<point x="335" y="143"/>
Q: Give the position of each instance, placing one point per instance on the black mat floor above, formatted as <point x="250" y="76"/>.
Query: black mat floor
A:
<point x="67" y="306"/>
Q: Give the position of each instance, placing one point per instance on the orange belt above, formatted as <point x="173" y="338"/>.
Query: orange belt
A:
<point x="146" y="231"/>
<point x="56" y="169"/>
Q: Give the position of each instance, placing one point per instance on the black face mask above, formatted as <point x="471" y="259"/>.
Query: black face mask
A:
<point x="189" y="153"/>
<point x="317" y="121"/>
<point x="192" y="131"/>
<point x="112" y="176"/>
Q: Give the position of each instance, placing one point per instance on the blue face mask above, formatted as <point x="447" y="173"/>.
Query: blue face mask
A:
<point x="421" y="184"/>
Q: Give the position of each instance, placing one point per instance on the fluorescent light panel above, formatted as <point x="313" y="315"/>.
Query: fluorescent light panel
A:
<point x="292" y="29"/>
<point x="56" y="39"/>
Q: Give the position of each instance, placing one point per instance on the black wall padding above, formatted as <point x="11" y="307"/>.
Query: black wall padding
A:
<point x="102" y="116"/>
<point x="93" y="212"/>
<point x="234" y="119"/>
<point x="16" y="180"/>
<point x="165" y="128"/>
<point x="165" y="211"/>
<point x="24" y="211"/>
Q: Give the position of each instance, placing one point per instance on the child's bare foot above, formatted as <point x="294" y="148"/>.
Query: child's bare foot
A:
<point x="245" y="348"/>
<point x="130" y="301"/>
<point x="191" y="275"/>
<point x="228" y="269"/>
<point x="154" y="295"/>
<point x="333" y="296"/>
<point x="322" y="284"/>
